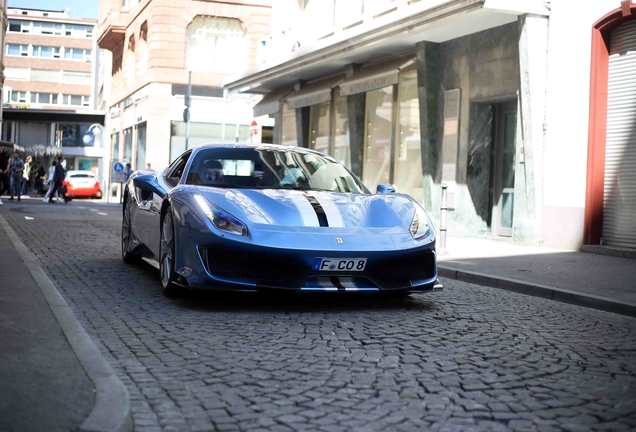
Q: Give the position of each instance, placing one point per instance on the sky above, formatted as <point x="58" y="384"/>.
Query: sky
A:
<point x="79" y="8"/>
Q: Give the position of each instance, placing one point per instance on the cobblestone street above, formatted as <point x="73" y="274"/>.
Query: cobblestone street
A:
<point x="468" y="358"/>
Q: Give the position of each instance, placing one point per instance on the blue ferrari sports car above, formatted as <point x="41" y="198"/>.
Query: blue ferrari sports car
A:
<point x="270" y="217"/>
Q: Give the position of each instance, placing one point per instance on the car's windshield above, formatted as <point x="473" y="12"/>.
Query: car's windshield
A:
<point x="268" y="167"/>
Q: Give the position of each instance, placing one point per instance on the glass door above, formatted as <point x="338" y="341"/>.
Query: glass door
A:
<point x="504" y="178"/>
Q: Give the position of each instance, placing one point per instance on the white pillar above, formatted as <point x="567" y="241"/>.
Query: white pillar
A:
<point x="533" y="43"/>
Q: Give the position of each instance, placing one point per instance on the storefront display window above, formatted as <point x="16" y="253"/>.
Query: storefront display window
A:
<point x="115" y="149"/>
<point x="376" y="167"/>
<point x="288" y="128"/>
<point x="141" y="146"/>
<point x="408" y="152"/>
<point x="128" y="144"/>
<point x="319" y="127"/>
<point x="341" y="130"/>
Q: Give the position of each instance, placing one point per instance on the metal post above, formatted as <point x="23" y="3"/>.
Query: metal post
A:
<point x="442" y="223"/>
<point x="186" y="112"/>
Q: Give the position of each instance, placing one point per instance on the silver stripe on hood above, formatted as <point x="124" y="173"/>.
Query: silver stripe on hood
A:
<point x="334" y="217"/>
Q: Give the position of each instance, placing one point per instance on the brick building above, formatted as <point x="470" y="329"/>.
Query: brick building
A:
<point x="152" y="46"/>
<point x="48" y="109"/>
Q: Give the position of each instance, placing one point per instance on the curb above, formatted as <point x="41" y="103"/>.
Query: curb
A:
<point x="539" y="290"/>
<point x="111" y="412"/>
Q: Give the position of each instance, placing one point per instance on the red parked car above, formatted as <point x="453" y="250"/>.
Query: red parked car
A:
<point x="82" y="184"/>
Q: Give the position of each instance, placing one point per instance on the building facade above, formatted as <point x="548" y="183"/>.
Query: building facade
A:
<point x="488" y="100"/>
<point x="47" y="101"/>
<point x="154" y="48"/>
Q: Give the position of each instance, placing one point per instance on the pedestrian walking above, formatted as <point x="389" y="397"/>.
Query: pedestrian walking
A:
<point x="38" y="181"/>
<point x="26" y="177"/>
<point x="50" y="182"/>
<point x="4" y="172"/>
<point x="129" y="171"/>
<point x="16" y="168"/>
<point x="58" y="178"/>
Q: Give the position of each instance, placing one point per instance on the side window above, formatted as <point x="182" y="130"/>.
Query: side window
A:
<point x="175" y="171"/>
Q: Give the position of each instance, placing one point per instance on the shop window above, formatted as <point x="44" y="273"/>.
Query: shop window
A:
<point x="408" y="152"/>
<point x="216" y="45"/>
<point x="288" y="127"/>
<point x="128" y="139"/>
<point x="205" y="133"/>
<point x="74" y="135"/>
<point x="141" y="146"/>
<point x="341" y="130"/>
<point x="114" y="153"/>
<point x="319" y="127"/>
<point x="376" y="167"/>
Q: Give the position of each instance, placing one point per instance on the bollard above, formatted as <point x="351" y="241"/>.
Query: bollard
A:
<point x="442" y="222"/>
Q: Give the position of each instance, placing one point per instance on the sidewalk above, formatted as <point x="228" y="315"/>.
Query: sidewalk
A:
<point x="52" y="377"/>
<point x="587" y="279"/>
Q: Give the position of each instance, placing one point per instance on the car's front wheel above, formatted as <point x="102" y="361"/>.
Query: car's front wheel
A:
<point x="166" y="255"/>
<point x="126" y="236"/>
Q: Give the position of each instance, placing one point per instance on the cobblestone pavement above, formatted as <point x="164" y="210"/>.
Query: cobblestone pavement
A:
<point x="468" y="358"/>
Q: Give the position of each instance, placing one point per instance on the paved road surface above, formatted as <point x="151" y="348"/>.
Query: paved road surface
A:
<point x="469" y="358"/>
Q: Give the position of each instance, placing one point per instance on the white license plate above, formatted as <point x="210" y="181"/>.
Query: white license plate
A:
<point x="339" y="264"/>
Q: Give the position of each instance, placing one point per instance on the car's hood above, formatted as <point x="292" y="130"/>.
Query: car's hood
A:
<point x="295" y="208"/>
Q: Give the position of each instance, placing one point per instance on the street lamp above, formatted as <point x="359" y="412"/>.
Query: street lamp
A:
<point x="97" y="131"/>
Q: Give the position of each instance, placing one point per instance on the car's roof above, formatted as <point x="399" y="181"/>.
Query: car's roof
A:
<point x="254" y="146"/>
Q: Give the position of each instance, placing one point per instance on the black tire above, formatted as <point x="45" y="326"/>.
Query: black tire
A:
<point x="166" y="255"/>
<point x="126" y="237"/>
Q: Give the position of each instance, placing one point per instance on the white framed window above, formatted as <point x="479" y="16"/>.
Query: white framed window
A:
<point x="45" y="75"/>
<point x="80" y="78"/>
<point x="46" y="28"/>
<point x="19" y="26"/>
<point x="76" y="100"/>
<point x="17" y="50"/>
<point x="46" y="51"/>
<point x="79" y="31"/>
<point x="18" y="74"/>
<point x="77" y="54"/>
<point x="216" y="45"/>
<point x="19" y="97"/>
<point x="43" y="98"/>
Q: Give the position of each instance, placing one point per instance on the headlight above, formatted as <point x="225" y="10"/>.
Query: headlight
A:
<point x="419" y="224"/>
<point x="222" y="220"/>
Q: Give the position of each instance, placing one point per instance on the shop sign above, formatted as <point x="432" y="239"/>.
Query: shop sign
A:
<point x="310" y="99"/>
<point x="371" y="83"/>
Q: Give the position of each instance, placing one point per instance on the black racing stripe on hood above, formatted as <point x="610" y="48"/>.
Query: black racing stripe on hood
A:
<point x="320" y="212"/>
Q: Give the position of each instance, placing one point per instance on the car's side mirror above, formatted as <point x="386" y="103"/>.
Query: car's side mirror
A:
<point x="148" y="182"/>
<point x="384" y="188"/>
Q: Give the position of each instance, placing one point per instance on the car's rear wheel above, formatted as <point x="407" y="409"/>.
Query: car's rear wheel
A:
<point x="166" y="255"/>
<point x="126" y="236"/>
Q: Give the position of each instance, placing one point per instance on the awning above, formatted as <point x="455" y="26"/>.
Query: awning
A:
<point x="376" y="76"/>
<point x="271" y="103"/>
<point x="314" y="93"/>
<point x="41" y="115"/>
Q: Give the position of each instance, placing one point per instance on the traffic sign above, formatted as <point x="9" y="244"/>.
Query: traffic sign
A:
<point x="119" y="173"/>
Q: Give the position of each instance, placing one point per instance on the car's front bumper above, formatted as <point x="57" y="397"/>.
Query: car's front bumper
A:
<point x="234" y="266"/>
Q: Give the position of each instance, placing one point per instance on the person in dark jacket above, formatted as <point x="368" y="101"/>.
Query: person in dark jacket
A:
<point x="4" y="172"/>
<point x="58" y="178"/>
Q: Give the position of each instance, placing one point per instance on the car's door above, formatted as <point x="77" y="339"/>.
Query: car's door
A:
<point x="151" y="193"/>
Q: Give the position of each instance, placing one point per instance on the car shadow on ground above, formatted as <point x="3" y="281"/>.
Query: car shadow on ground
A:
<point x="299" y="302"/>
